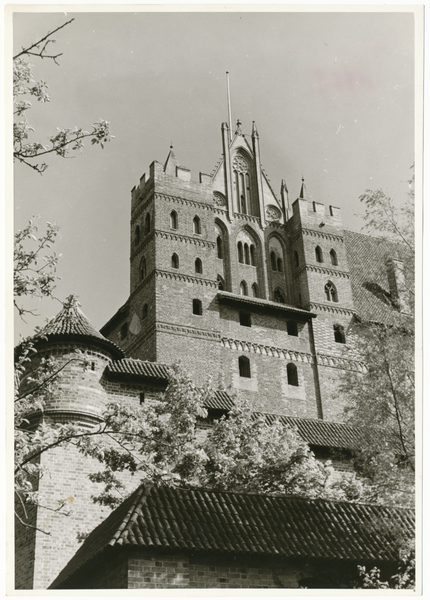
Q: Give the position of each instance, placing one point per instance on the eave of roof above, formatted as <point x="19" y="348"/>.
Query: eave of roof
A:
<point x="240" y="523"/>
<point x="248" y="301"/>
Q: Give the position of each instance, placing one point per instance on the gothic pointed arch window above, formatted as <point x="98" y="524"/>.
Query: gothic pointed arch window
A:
<point x="243" y="288"/>
<point x="219" y="247"/>
<point x="292" y="375"/>
<point x="221" y="283"/>
<point x="244" y="367"/>
<point x="333" y="257"/>
<point x="255" y="290"/>
<point x="319" y="254"/>
<point x="278" y="296"/>
<point x="173" y="220"/>
<point x="279" y="264"/>
<point x="240" y="252"/>
<point x="253" y="257"/>
<point x="197" y="225"/>
<point x="175" y="261"/>
<point x="147" y="223"/>
<point x="137" y="235"/>
<point x="142" y="269"/>
<point x="246" y="248"/>
<point x="241" y="183"/>
<point x="330" y="292"/>
<point x="273" y="261"/>
<point x="198" y="266"/>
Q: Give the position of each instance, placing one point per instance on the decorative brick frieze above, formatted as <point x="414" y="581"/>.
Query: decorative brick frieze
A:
<point x="140" y="207"/>
<point x="283" y="353"/>
<point x="148" y="238"/>
<point x="331" y="308"/>
<point x="142" y="283"/>
<point x="325" y="270"/>
<point x="188" y="331"/>
<point x="167" y="235"/>
<point x="248" y="218"/>
<point x="340" y="363"/>
<point x="318" y="234"/>
<point x="186" y="278"/>
<point x="184" y="201"/>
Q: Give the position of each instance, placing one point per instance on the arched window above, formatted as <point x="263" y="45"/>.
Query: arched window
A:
<point x="292" y="328"/>
<point x="147" y="223"/>
<point x="219" y="247"/>
<point x="243" y="288"/>
<point x="240" y="252"/>
<point x="339" y="334"/>
<point x="198" y="266"/>
<point x="279" y="264"/>
<point x="330" y="292"/>
<point x="196" y="225"/>
<point x="273" y="261"/>
<point x="175" y="261"/>
<point x="255" y="290"/>
<point x="278" y="296"/>
<point x="319" y="254"/>
<point x="144" y="311"/>
<point x="174" y="220"/>
<point x="253" y="260"/>
<point x="142" y="269"/>
<point x="137" y="235"/>
<point x="292" y="374"/>
<point x="296" y="258"/>
<point x="124" y="331"/>
<point x="197" y="307"/>
<point x="333" y="257"/>
<point x="244" y="367"/>
<point x="221" y="284"/>
<point x="246" y="247"/>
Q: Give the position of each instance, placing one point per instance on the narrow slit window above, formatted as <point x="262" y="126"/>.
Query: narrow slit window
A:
<point x="279" y="264"/>
<point x="292" y="375"/>
<point x="196" y="225"/>
<point x="142" y="269"/>
<point x="253" y="259"/>
<point x="175" y="261"/>
<point x="197" y="307"/>
<point x="246" y="254"/>
<point x="219" y="247"/>
<point x="273" y="261"/>
<point x="198" y="266"/>
<point x="244" y="367"/>
<point x="173" y="220"/>
<point x="147" y="223"/>
<point x="296" y="258"/>
<point x="144" y="311"/>
<point x="142" y="398"/>
<point x="137" y="235"/>
<point x="240" y="252"/>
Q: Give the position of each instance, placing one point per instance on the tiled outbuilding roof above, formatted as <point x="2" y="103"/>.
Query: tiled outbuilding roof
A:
<point x="323" y="433"/>
<point x="368" y="275"/>
<point x="72" y="324"/>
<point x="159" y="371"/>
<point x="158" y="518"/>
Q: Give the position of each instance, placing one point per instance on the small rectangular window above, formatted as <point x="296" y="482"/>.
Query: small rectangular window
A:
<point x="142" y="398"/>
<point x="197" y="307"/>
<point x="245" y="319"/>
<point x="292" y="328"/>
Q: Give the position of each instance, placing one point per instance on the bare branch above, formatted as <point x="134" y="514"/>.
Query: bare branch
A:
<point x="36" y="45"/>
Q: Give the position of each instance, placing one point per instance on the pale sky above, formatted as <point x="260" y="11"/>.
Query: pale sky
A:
<point x="332" y="95"/>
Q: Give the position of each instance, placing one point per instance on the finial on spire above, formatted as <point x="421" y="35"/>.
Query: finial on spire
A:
<point x="71" y="302"/>
<point x="238" y="126"/>
<point x="254" y="130"/>
<point x="302" y="191"/>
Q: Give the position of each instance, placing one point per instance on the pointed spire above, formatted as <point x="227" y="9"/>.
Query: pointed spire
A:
<point x="304" y="193"/>
<point x="285" y="200"/>
<point x="171" y="163"/>
<point x="254" y="130"/>
<point x="239" y="127"/>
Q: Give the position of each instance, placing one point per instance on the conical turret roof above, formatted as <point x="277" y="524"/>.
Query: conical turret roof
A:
<point x="71" y="324"/>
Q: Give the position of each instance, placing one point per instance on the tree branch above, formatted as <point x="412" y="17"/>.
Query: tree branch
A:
<point x="36" y="44"/>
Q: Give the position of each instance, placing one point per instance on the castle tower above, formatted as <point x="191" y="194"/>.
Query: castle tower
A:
<point x="79" y="397"/>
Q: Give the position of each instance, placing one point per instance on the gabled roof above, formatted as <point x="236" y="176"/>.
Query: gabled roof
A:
<point x="72" y="325"/>
<point x="368" y="275"/>
<point x="159" y="518"/>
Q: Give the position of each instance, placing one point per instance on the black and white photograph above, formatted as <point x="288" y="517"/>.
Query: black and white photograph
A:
<point x="213" y="221"/>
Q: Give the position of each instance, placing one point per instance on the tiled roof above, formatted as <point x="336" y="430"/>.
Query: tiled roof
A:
<point x="72" y="323"/>
<point x="226" y="522"/>
<point x="228" y="297"/>
<point x="368" y="274"/>
<point x="142" y="368"/>
<point x="322" y="433"/>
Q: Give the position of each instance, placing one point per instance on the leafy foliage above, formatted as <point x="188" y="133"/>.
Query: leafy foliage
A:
<point x="25" y="88"/>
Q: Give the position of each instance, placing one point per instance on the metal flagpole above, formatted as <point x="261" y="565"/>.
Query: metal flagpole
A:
<point x="228" y="103"/>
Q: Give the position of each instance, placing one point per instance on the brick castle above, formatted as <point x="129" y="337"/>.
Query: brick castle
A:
<point x="254" y="290"/>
